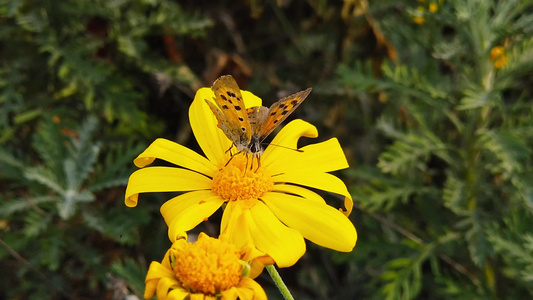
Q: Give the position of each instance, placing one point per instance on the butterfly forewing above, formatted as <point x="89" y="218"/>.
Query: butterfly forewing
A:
<point x="229" y="99"/>
<point x="280" y="110"/>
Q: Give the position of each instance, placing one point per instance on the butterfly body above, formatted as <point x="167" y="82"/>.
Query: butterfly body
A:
<point x="247" y="128"/>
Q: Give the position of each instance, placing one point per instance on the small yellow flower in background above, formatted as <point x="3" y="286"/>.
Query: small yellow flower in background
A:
<point x="420" y="12"/>
<point x="433" y="7"/>
<point x="267" y="207"/>
<point x="206" y="269"/>
<point x="499" y="57"/>
<point x="419" y="15"/>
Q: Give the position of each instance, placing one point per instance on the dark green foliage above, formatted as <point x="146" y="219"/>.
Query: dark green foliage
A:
<point x="459" y="161"/>
<point x="439" y="139"/>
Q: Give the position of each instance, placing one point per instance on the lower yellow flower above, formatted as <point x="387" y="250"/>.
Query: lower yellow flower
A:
<point x="267" y="206"/>
<point x="207" y="269"/>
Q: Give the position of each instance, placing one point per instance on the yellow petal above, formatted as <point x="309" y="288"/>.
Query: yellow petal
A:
<point x="248" y="283"/>
<point x="250" y="100"/>
<point x="233" y="227"/>
<point x="348" y="205"/>
<point x="176" y="154"/>
<point x="156" y="271"/>
<point x="245" y="294"/>
<point x="163" y="179"/>
<point x="204" y="126"/>
<point x="319" y="223"/>
<point x="198" y="296"/>
<point x="320" y="157"/>
<point x="178" y="293"/>
<point x="321" y="181"/>
<point x="164" y="285"/>
<point x="184" y="212"/>
<point x="300" y="191"/>
<point x="258" y="224"/>
<point x="230" y="294"/>
<point x="258" y="265"/>
<point x="287" y="137"/>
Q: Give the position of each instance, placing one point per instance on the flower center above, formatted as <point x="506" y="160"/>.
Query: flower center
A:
<point x="208" y="266"/>
<point x="241" y="179"/>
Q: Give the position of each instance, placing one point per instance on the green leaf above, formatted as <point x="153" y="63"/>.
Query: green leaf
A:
<point x="45" y="177"/>
<point x="454" y="194"/>
<point x="410" y="153"/>
<point x="510" y="149"/>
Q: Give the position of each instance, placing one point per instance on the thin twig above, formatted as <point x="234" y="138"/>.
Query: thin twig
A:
<point x="457" y="266"/>
<point x="25" y="262"/>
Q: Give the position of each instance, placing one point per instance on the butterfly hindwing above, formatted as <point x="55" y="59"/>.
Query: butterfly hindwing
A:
<point x="232" y="116"/>
<point x="257" y="116"/>
<point x="280" y="110"/>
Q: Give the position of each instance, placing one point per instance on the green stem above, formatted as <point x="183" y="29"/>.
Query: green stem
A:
<point x="279" y="282"/>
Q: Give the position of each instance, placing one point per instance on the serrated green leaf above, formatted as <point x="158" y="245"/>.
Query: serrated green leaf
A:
<point x="45" y="177"/>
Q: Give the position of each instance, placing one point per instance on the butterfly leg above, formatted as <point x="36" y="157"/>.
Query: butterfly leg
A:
<point x="254" y="155"/>
<point x="246" y="166"/>
<point x="232" y="144"/>
<point x="231" y="157"/>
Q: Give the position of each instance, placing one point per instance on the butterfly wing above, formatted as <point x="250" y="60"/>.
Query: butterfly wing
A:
<point x="231" y="112"/>
<point x="280" y="110"/>
<point x="257" y="116"/>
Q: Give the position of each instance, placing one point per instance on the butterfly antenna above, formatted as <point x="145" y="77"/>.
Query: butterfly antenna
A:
<point x="297" y="150"/>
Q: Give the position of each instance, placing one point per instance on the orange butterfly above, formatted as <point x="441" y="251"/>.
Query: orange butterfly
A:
<point x="247" y="128"/>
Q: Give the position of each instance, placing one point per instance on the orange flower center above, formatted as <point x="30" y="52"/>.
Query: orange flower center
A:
<point x="241" y="179"/>
<point x="208" y="266"/>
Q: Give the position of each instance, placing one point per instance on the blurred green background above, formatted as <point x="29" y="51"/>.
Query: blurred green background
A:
<point x="431" y="101"/>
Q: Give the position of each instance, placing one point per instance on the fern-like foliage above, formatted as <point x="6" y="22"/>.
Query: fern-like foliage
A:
<point x="77" y="161"/>
<point x="463" y="136"/>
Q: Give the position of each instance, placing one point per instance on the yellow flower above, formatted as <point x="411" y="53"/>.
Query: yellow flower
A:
<point x="433" y="7"/>
<point x="420" y="12"/>
<point x="206" y="269"/>
<point x="419" y="15"/>
<point x="267" y="207"/>
<point x="498" y="56"/>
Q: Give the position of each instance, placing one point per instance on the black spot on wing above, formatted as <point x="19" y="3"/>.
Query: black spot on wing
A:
<point x="223" y="97"/>
<point x="294" y="102"/>
<point x="237" y="107"/>
<point x="241" y="119"/>
<point x="225" y="107"/>
<point x="276" y="121"/>
<point x="273" y="113"/>
<point x="243" y="129"/>
<point x="231" y="94"/>
<point x="284" y="112"/>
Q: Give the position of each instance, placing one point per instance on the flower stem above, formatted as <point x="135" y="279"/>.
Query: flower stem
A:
<point x="279" y="282"/>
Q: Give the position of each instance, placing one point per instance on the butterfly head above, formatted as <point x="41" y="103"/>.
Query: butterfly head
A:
<point x="255" y="145"/>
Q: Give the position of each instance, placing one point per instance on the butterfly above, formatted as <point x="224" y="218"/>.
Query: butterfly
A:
<point x="247" y="128"/>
